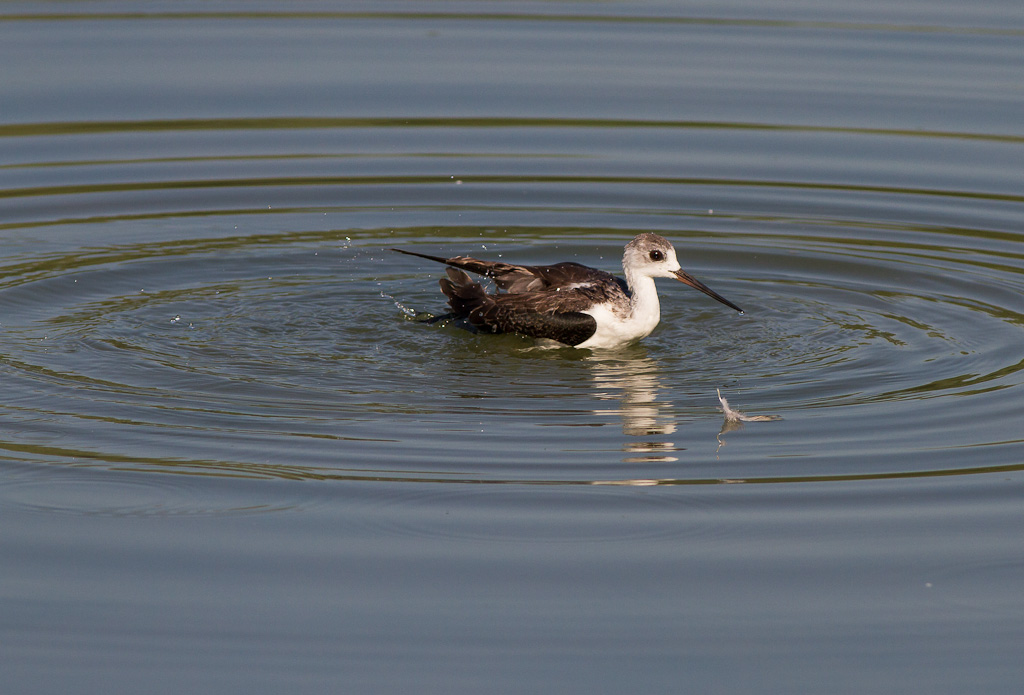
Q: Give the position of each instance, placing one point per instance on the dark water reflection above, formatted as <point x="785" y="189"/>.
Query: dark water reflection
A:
<point x="229" y="458"/>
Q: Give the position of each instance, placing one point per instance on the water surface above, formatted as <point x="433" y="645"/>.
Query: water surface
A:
<point x="231" y="461"/>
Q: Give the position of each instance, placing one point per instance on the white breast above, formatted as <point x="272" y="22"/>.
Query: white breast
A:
<point x="614" y="329"/>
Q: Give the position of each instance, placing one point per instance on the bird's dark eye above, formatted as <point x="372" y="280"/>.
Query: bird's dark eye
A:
<point x="657" y="255"/>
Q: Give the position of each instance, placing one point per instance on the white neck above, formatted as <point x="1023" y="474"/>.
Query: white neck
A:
<point x="644" y="306"/>
<point x="644" y="303"/>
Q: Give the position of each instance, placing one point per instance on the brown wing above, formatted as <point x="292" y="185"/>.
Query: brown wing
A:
<point x="552" y="277"/>
<point x="534" y="314"/>
<point x="518" y="279"/>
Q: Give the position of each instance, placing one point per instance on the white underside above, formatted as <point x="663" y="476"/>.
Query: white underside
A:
<point x="614" y="330"/>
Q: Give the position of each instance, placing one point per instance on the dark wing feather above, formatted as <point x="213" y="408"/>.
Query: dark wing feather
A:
<point x="549" y="277"/>
<point x="464" y="295"/>
<point x="527" y="314"/>
<point x="518" y="279"/>
<point x="504" y="274"/>
<point x="569" y="327"/>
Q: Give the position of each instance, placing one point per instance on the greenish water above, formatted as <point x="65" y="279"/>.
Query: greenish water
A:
<point x="230" y="462"/>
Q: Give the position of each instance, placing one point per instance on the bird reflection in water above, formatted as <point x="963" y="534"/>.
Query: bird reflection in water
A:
<point x="646" y="419"/>
<point x="635" y="384"/>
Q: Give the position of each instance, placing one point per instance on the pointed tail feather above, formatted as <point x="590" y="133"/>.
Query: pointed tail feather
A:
<point x="504" y="274"/>
<point x="421" y="255"/>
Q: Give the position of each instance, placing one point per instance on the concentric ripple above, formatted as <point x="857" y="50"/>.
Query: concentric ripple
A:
<point x="283" y="355"/>
<point x="237" y="312"/>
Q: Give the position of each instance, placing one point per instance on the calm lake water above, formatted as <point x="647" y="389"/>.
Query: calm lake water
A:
<point x="230" y="462"/>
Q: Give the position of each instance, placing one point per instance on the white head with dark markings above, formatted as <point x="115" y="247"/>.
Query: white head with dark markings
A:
<point x="653" y="256"/>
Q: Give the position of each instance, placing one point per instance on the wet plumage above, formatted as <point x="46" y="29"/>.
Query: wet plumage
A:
<point x="567" y="302"/>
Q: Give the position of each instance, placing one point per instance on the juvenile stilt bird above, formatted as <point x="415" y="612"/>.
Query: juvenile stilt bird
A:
<point x="568" y="302"/>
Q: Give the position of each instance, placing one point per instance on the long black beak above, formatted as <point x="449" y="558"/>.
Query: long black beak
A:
<point x="696" y="284"/>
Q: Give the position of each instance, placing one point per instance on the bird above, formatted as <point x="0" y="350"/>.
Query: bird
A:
<point x="568" y="303"/>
